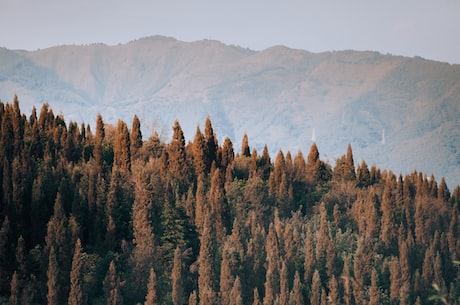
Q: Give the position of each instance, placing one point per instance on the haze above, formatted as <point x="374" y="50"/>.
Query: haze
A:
<point x="429" y="29"/>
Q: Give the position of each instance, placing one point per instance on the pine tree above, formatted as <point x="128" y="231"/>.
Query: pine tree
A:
<point x="316" y="288"/>
<point x="193" y="299"/>
<point x="136" y="138"/>
<point x="5" y="256"/>
<point x="245" y="151"/>
<point x="228" y="154"/>
<point x="272" y="274"/>
<point x="211" y="144"/>
<point x="388" y="230"/>
<point x="206" y="287"/>
<point x="145" y="248"/>
<point x="151" y="298"/>
<point x="374" y="290"/>
<point x="177" y="155"/>
<point x="199" y="152"/>
<point x="313" y="165"/>
<point x="53" y="284"/>
<point x="15" y="290"/>
<point x="363" y="176"/>
<point x="284" y="284"/>
<point x="98" y="141"/>
<point x="177" y="280"/>
<point x="121" y="150"/>
<point x="76" y="295"/>
<point x="112" y="286"/>
<point x="296" y="297"/>
<point x="256" y="298"/>
<point x="235" y="294"/>
<point x="349" y="169"/>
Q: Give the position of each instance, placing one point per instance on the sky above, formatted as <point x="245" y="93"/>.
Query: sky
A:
<point x="430" y="29"/>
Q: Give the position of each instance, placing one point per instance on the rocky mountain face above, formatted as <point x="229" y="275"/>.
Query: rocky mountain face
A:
<point x="396" y="112"/>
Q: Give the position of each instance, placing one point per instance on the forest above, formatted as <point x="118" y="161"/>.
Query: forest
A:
<point x="108" y="217"/>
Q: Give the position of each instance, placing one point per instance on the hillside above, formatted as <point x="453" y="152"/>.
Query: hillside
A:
<point x="277" y="96"/>
<point x="102" y="217"/>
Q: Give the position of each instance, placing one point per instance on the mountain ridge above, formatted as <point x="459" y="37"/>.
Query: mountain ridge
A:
<point x="277" y="96"/>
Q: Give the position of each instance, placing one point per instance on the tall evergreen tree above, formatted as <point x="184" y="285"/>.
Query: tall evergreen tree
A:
<point x="177" y="279"/>
<point x="122" y="146"/>
<point x="136" y="137"/>
<point x="206" y="273"/>
<point x="152" y="298"/>
<point x="112" y="285"/>
<point x="53" y="284"/>
<point x="245" y="150"/>
<point x="76" y="295"/>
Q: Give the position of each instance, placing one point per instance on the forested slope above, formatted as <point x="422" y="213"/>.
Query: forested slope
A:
<point x="110" y="217"/>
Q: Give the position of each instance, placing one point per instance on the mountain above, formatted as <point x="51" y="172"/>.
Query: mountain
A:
<point x="397" y="112"/>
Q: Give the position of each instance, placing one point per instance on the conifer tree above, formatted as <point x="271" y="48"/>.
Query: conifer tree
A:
<point x="235" y="294"/>
<point x="374" y="290"/>
<point x="5" y="259"/>
<point x="177" y="155"/>
<point x="76" y="295"/>
<point x="199" y="152"/>
<point x="228" y="154"/>
<point x="112" y="286"/>
<point x="218" y="204"/>
<point x="53" y="284"/>
<point x="256" y="298"/>
<point x="334" y="293"/>
<point x="388" y="230"/>
<point x="15" y="290"/>
<point x="363" y="176"/>
<point x="145" y="248"/>
<point x="272" y="274"/>
<point x="284" y="284"/>
<point x="193" y="299"/>
<point x="245" y="151"/>
<point x="313" y="165"/>
<point x="296" y="297"/>
<point x="206" y="287"/>
<point x="349" y="168"/>
<point x="151" y="298"/>
<point x="177" y="279"/>
<point x="98" y="141"/>
<point x="211" y="144"/>
<point x="121" y="150"/>
<point x="316" y="288"/>
<point x="136" y="137"/>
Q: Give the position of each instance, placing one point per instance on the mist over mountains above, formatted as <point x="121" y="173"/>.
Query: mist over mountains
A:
<point x="277" y="96"/>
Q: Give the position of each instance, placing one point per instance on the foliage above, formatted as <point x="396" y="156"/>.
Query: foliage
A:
<point x="111" y="219"/>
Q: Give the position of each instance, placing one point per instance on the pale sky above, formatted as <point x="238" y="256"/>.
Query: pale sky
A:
<point x="430" y="29"/>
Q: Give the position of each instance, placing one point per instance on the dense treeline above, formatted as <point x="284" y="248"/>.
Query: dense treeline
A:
<point x="105" y="217"/>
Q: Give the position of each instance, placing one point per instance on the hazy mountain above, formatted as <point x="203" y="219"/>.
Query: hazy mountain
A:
<point x="278" y="96"/>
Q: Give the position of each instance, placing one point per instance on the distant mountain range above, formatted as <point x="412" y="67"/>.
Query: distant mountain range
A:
<point x="397" y="112"/>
